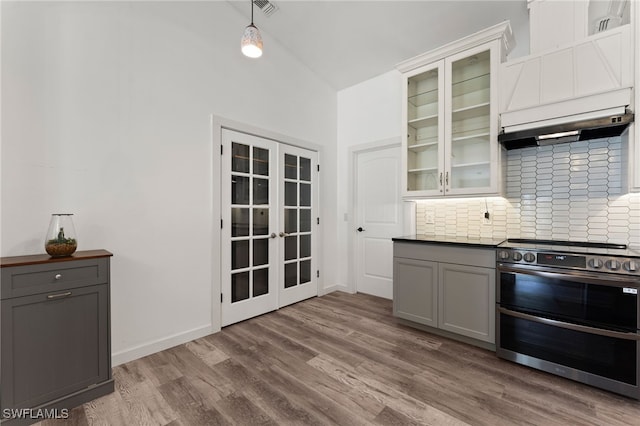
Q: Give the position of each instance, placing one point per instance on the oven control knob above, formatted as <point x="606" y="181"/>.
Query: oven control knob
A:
<point x="517" y="256"/>
<point x="631" y="265"/>
<point x="614" y="265"/>
<point x="529" y="257"/>
<point x="595" y="263"/>
<point x="503" y="255"/>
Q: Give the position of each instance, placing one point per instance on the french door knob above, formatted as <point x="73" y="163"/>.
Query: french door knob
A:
<point x="360" y="229"/>
<point x="284" y="234"/>
<point x="273" y="235"/>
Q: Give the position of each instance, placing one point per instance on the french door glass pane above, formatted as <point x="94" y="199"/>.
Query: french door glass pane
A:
<point x="290" y="194"/>
<point x="290" y="166"/>
<point x="239" y="190"/>
<point x="260" y="161"/>
<point x="305" y="246"/>
<point x="305" y="194"/>
<point x="290" y="221"/>
<point x="305" y="220"/>
<point x="305" y="271"/>
<point x="239" y="286"/>
<point x="239" y="254"/>
<point x="305" y="169"/>
<point x="290" y="274"/>
<point x="290" y="248"/>
<point x="260" y="221"/>
<point x="260" y="251"/>
<point x="239" y="157"/>
<point x="260" y="191"/>
<point x="260" y="282"/>
<point x="239" y="222"/>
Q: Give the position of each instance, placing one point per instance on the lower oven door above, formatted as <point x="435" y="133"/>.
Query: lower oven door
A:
<point x="534" y="326"/>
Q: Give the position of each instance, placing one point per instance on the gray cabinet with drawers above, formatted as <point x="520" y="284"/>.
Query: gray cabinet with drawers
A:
<point x="55" y="324"/>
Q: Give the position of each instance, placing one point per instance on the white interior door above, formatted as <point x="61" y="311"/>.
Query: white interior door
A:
<point x="298" y="221"/>
<point x="378" y="214"/>
<point x="249" y="245"/>
<point x="268" y="239"/>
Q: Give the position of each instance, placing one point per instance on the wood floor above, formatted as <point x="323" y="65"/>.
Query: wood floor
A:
<point x="342" y="359"/>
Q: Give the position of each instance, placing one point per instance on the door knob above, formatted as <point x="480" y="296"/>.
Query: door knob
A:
<point x="284" y="234"/>
<point x="360" y="229"/>
<point x="273" y="235"/>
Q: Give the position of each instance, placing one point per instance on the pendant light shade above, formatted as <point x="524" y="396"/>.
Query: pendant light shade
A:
<point x="251" y="43"/>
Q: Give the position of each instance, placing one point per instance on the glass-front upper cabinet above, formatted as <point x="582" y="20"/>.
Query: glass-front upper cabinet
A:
<point x="471" y="140"/>
<point x="451" y="119"/>
<point x="425" y="129"/>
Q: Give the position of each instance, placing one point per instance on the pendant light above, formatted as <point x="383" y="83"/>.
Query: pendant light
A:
<point x="251" y="43"/>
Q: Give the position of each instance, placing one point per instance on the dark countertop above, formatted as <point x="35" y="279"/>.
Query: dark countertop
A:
<point x="462" y="241"/>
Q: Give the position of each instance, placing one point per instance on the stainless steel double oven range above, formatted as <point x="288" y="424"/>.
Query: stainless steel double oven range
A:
<point x="571" y="309"/>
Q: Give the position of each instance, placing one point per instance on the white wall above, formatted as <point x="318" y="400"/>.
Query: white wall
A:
<point x="367" y="112"/>
<point x="106" y="114"/>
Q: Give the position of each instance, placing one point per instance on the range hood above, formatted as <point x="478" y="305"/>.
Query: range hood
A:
<point x="579" y="91"/>
<point x="583" y="128"/>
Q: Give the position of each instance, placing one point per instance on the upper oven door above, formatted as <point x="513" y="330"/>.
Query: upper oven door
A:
<point x="599" y="300"/>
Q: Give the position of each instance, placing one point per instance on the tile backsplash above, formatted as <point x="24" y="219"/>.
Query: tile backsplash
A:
<point x="570" y="191"/>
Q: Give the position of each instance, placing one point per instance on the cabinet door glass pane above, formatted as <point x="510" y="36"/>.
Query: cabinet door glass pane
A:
<point x="423" y="124"/>
<point x="470" y="122"/>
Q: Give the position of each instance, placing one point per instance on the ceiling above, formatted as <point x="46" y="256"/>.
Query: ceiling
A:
<point x="347" y="42"/>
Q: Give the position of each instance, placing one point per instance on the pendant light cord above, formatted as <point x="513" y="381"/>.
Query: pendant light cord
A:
<point x="251" y="11"/>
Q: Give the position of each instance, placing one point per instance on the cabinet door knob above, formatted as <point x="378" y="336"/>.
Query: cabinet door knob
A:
<point x="58" y="276"/>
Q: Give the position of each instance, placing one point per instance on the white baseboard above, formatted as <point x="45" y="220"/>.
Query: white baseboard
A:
<point x="333" y="288"/>
<point x="159" y="345"/>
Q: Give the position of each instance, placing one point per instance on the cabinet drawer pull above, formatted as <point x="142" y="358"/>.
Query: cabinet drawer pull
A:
<point x="59" y="295"/>
<point x="58" y="276"/>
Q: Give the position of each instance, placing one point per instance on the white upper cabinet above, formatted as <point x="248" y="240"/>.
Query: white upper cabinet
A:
<point x="450" y="114"/>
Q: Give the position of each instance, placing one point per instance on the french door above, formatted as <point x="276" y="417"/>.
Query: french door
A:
<point x="267" y="239"/>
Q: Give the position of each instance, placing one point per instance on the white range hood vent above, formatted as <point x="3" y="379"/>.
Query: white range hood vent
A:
<point x="584" y="86"/>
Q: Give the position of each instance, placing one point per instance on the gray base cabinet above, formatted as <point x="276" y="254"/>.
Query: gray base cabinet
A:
<point x="55" y="343"/>
<point x="449" y="288"/>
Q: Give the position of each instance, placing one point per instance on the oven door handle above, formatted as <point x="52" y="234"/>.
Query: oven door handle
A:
<point x="569" y="326"/>
<point x="585" y="277"/>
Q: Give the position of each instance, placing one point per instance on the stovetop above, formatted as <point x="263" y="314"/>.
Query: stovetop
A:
<point x="578" y="247"/>
<point x="577" y="255"/>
